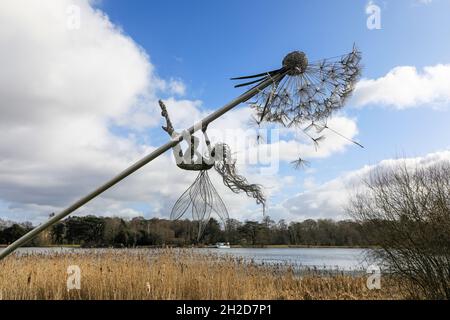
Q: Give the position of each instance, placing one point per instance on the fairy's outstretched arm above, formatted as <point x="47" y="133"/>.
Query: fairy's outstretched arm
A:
<point x="177" y="152"/>
<point x="208" y="142"/>
<point x="185" y="160"/>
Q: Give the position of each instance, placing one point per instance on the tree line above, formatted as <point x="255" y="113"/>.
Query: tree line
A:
<point x="93" y="231"/>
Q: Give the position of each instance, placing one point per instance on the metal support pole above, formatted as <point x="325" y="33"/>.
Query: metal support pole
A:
<point x="215" y="115"/>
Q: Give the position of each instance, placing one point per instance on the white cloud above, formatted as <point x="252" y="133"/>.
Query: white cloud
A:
<point x="177" y="87"/>
<point x="60" y="89"/>
<point x="329" y="199"/>
<point x="406" y="87"/>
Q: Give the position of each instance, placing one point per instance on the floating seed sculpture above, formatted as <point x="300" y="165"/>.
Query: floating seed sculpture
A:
<point x="305" y="93"/>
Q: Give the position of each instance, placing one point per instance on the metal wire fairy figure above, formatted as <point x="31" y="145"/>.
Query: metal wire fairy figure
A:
<point x="305" y="94"/>
<point x="201" y="199"/>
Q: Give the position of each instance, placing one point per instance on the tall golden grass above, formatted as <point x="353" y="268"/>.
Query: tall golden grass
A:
<point x="171" y="274"/>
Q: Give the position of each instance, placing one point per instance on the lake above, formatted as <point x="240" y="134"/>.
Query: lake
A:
<point x="345" y="259"/>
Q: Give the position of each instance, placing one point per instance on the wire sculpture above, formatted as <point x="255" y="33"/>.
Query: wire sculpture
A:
<point x="303" y="93"/>
<point x="306" y="93"/>
<point x="201" y="199"/>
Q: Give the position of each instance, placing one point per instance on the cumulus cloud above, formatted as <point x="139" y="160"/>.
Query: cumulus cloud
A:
<point x="328" y="200"/>
<point x="177" y="87"/>
<point x="406" y="87"/>
<point x="60" y="90"/>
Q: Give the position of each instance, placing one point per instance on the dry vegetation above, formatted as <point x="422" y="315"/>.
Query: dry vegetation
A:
<point x="170" y="274"/>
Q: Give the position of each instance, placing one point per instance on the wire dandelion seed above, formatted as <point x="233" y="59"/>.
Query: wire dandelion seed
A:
<point x="201" y="199"/>
<point x="300" y="163"/>
<point x="305" y="93"/>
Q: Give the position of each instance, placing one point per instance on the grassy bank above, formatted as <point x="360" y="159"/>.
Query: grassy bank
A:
<point x="171" y="274"/>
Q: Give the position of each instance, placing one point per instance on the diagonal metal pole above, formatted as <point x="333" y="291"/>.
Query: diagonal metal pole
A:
<point x="136" y="166"/>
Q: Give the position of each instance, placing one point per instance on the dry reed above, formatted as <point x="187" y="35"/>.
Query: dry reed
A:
<point x="170" y="274"/>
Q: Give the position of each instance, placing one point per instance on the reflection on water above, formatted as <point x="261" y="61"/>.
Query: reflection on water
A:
<point x="344" y="259"/>
<point x="322" y="258"/>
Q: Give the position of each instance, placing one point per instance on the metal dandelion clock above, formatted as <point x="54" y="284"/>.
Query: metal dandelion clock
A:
<point x="303" y="94"/>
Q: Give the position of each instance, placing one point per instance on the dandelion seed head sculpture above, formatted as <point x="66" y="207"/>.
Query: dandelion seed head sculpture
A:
<point x="304" y="93"/>
<point x="296" y="63"/>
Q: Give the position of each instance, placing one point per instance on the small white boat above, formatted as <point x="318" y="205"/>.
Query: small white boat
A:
<point x="222" y="245"/>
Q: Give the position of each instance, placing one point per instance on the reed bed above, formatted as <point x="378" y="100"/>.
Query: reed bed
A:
<point x="171" y="274"/>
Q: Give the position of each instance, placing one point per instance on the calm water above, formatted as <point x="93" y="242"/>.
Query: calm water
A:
<point x="320" y="258"/>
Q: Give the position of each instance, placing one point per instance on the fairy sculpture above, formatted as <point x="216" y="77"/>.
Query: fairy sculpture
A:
<point x="201" y="198"/>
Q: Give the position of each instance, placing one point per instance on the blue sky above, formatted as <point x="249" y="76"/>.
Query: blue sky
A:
<point x="79" y="104"/>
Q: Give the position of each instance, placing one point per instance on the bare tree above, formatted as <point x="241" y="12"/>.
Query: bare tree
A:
<point x="407" y="212"/>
